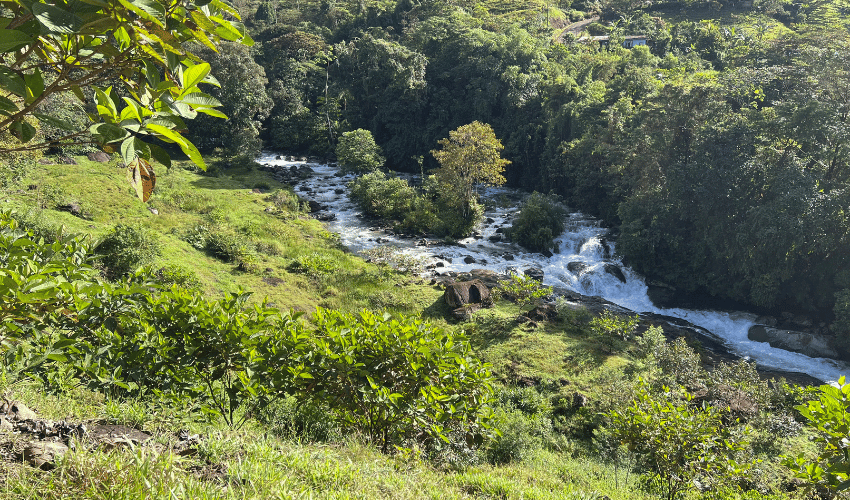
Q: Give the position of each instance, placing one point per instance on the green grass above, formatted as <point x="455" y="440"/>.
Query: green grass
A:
<point x="228" y="204"/>
<point x="299" y="265"/>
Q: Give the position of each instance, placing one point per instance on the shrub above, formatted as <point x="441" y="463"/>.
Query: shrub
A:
<point x="398" y="380"/>
<point x="284" y="199"/>
<point x="522" y="289"/>
<point x="124" y="249"/>
<point x="829" y="415"/>
<point x="678" y="445"/>
<point x="220" y="353"/>
<point x="541" y="219"/>
<point x="524" y="421"/>
<point x="173" y="274"/>
<point x="357" y="152"/>
<point x="380" y="196"/>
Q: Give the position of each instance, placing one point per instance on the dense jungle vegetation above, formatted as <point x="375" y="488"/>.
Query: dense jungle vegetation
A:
<point x="263" y="360"/>
<point x="719" y="150"/>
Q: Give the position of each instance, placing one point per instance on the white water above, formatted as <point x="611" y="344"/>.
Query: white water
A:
<point x="583" y="242"/>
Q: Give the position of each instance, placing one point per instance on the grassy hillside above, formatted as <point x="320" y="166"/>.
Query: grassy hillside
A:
<point x="558" y="379"/>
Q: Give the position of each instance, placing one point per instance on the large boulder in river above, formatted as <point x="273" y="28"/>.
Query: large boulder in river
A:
<point x="615" y="271"/>
<point x="463" y="293"/>
<point x="816" y="346"/>
<point x="534" y="273"/>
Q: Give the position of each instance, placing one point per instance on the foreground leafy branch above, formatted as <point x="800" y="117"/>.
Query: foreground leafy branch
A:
<point x="140" y="45"/>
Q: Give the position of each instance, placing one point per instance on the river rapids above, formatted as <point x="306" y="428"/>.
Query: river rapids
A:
<point x="584" y="251"/>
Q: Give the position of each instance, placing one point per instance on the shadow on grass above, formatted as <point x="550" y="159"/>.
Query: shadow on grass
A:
<point x="438" y="310"/>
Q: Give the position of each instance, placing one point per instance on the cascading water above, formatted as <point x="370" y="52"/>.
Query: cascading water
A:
<point x="585" y="263"/>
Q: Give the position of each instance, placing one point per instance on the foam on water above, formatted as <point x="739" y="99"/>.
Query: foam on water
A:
<point x="580" y="265"/>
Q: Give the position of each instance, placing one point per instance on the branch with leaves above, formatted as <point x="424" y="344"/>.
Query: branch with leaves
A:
<point x="137" y="47"/>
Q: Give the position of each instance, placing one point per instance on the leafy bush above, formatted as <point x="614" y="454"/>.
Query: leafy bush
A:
<point x="541" y="219"/>
<point x="176" y="343"/>
<point x="173" y="274"/>
<point x="524" y="420"/>
<point x="522" y="288"/>
<point x="223" y="243"/>
<point x="398" y="380"/>
<point x="382" y="196"/>
<point x="357" y="152"/>
<point x="284" y="199"/>
<point x="829" y="416"/>
<point x="609" y="327"/>
<point x="315" y="265"/>
<point x="678" y="445"/>
<point x="124" y="249"/>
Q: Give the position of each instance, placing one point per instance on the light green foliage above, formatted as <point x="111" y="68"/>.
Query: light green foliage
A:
<point x="523" y="418"/>
<point x="677" y="443"/>
<point x="523" y="289"/>
<point x="541" y="219"/>
<point x="609" y="324"/>
<point x="469" y="156"/>
<point x="124" y="249"/>
<point x="398" y="381"/>
<point x="141" y="46"/>
<point x="357" y="152"/>
<point x="830" y="418"/>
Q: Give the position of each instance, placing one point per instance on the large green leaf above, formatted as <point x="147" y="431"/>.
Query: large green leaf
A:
<point x="108" y="132"/>
<point x="150" y="10"/>
<point x="188" y="148"/>
<point x="11" y="81"/>
<point x="193" y="75"/>
<point x="35" y="85"/>
<point x="200" y="99"/>
<point x="12" y="40"/>
<point x="56" y="20"/>
<point x="160" y="155"/>
<point x="22" y="130"/>
<point x="7" y="106"/>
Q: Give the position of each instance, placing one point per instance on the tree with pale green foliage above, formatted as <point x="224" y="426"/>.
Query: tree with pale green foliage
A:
<point x="469" y="156"/>
<point x="138" y="46"/>
<point x="357" y="152"/>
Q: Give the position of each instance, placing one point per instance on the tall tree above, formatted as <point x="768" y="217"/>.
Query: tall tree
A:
<point x="470" y="155"/>
<point x="244" y="101"/>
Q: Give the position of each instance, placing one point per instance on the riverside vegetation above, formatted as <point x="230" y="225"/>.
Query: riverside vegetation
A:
<point x="221" y="315"/>
<point x="134" y="326"/>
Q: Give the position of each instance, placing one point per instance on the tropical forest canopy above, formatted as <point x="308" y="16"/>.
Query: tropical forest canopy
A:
<point x="719" y="150"/>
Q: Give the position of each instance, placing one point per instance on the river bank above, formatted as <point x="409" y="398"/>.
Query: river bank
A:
<point x="584" y="262"/>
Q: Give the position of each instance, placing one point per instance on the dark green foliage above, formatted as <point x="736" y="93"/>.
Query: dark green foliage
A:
<point x="244" y="101"/>
<point x="389" y="198"/>
<point x="124" y="249"/>
<point x="541" y="219"/>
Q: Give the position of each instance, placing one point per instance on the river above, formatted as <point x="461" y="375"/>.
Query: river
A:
<point x="579" y="265"/>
